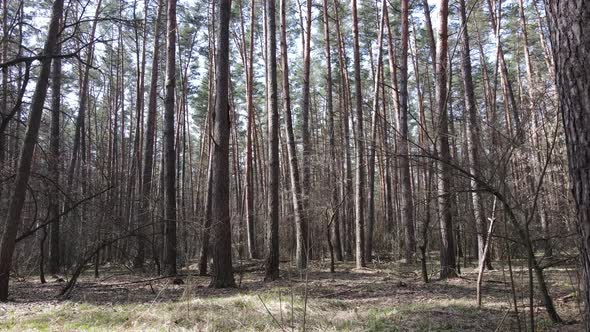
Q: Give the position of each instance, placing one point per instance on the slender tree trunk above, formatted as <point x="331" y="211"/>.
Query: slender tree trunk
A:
<point x="169" y="149"/>
<point x="78" y="158"/>
<point x="150" y="135"/>
<point x="42" y="256"/>
<point x="473" y="137"/>
<point x="297" y="192"/>
<point x="305" y="114"/>
<point x="272" y="228"/>
<point x="395" y="98"/>
<point x="360" y="146"/>
<point x="208" y="132"/>
<point x="137" y="162"/>
<point x="373" y="142"/>
<point x="54" y="152"/>
<point x="533" y="169"/>
<point x="345" y="109"/>
<point x="206" y="238"/>
<point x="495" y="20"/>
<point x="407" y="204"/>
<point x="445" y="201"/>
<point x="83" y="105"/>
<point x="430" y="34"/>
<point x="5" y="116"/>
<point x="335" y="234"/>
<point x="250" y="211"/>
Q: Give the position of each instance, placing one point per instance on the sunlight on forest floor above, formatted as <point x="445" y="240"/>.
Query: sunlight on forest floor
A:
<point x="382" y="297"/>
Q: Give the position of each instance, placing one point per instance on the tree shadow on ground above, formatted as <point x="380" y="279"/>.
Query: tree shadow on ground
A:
<point x="381" y="297"/>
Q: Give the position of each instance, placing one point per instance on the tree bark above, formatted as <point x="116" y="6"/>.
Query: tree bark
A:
<point x="54" y="152"/>
<point x="430" y="33"/>
<point x="25" y="161"/>
<point x="570" y="34"/>
<point x="272" y="228"/>
<point x="333" y="176"/>
<point x="473" y="136"/>
<point x="389" y="200"/>
<point x="447" y="250"/>
<point x="373" y="142"/>
<point x="297" y="192"/>
<point x="150" y="133"/>
<point x="169" y="148"/>
<point x="222" y="274"/>
<point x="305" y="114"/>
<point x="250" y="211"/>
<point x="360" y="146"/>
<point x="407" y="203"/>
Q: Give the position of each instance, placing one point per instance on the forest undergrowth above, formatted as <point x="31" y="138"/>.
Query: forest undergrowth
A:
<point x="381" y="297"/>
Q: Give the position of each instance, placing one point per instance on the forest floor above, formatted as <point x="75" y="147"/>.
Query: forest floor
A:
<point x="381" y="297"/>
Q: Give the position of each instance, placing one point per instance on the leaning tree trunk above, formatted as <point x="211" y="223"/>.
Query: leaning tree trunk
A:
<point x="222" y="274"/>
<point x="300" y="221"/>
<point x="25" y="161"/>
<point x="373" y="141"/>
<point x="570" y="32"/>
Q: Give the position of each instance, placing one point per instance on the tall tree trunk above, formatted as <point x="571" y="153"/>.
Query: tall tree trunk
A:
<point x="250" y="211"/>
<point x="4" y="114"/>
<point x="373" y="142"/>
<point x="135" y="184"/>
<point x="169" y="149"/>
<point x="570" y="33"/>
<point x="473" y="136"/>
<point x="407" y="203"/>
<point x="305" y="114"/>
<point x="222" y="274"/>
<point x="345" y="109"/>
<point x="25" y="161"/>
<point x="150" y="135"/>
<point x="333" y="176"/>
<point x="208" y="132"/>
<point x="495" y="21"/>
<point x="82" y="105"/>
<point x="206" y="233"/>
<point x="430" y="33"/>
<point x="54" y="153"/>
<point x="360" y="146"/>
<point x="532" y="170"/>
<point x="445" y="201"/>
<point x="297" y="192"/>
<point x="395" y="98"/>
<point x="272" y="228"/>
<point x="79" y="144"/>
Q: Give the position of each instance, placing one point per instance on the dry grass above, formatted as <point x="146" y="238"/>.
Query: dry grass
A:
<point x="384" y="297"/>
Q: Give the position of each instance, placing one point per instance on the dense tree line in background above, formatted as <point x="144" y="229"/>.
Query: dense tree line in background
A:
<point x="155" y="134"/>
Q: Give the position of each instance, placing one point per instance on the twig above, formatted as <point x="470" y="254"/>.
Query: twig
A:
<point x="270" y="313"/>
<point x="502" y="321"/>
